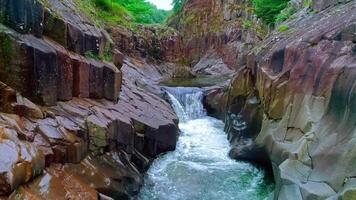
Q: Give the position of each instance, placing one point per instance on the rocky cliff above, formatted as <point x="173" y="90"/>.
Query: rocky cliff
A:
<point x="216" y="34"/>
<point x="81" y="112"/>
<point x="293" y="104"/>
<point x="75" y="123"/>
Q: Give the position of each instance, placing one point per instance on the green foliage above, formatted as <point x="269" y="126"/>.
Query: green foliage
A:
<point x="136" y="11"/>
<point x="285" y="14"/>
<point x="246" y="24"/>
<point x="283" y="28"/>
<point x="127" y="13"/>
<point x="268" y="10"/>
<point x="106" y="56"/>
<point x="307" y="3"/>
<point x="178" y="5"/>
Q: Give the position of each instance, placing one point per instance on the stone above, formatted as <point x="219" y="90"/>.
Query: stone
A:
<point x="25" y="107"/>
<point x="34" y="68"/>
<point x="65" y="72"/>
<point x="81" y="70"/>
<point x="20" y="161"/>
<point x="23" y="16"/>
<point x="98" y="134"/>
<point x="112" y="82"/>
<point x="118" y="58"/>
<point x="96" y="80"/>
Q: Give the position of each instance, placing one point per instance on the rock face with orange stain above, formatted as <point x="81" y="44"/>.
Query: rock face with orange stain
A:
<point x="294" y="103"/>
<point x="96" y="130"/>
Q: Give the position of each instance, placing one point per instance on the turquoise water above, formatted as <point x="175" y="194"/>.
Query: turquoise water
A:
<point x="200" y="168"/>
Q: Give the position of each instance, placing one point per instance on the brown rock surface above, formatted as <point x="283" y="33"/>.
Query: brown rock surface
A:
<point x="47" y="38"/>
<point x="81" y="148"/>
<point x="303" y="83"/>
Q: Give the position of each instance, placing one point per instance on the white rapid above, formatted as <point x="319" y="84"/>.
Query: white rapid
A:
<point x="200" y="169"/>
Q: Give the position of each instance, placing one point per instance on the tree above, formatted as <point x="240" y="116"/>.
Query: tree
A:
<point x="268" y="10"/>
<point x="178" y="5"/>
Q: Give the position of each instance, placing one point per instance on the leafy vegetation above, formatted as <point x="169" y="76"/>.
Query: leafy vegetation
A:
<point x="283" y="28"/>
<point x="285" y="14"/>
<point x="268" y="10"/>
<point x="178" y="5"/>
<point x="123" y="12"/>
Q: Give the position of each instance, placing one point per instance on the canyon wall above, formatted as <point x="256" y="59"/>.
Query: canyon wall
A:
<point x="75" y="123"/>
<point x="216" y="34"/>
<point x="293" y="104"/>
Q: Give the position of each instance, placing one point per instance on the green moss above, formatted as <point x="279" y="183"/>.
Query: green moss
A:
<point x="6" y="48"/>
<point x="55" y="29"/>
<point x="246" y="24"/>
<point x="91" y="55"/>
<point x="106" y="55"/>
<point x="285" y="14"/>
<point x="283" y="28"/>
<point x="307" y="3"/>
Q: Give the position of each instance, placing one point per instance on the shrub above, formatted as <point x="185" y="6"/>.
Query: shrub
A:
<point x="135" y="11"/>
<point x="178" y="5"/>
<point x="283" y="28"/>
<point x="247" y="24"/>
<point x="285" y="14"/>
<point x="268" y="10"/>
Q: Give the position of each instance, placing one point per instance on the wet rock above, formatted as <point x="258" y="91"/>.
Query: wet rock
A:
<point x="34" y="68"/>
<point x="320" y="5"/>
<point x="65" y="73"/>
<point x="25" y="107"/>
<point x="20" y="161"/>
<point x="96" y="79"/>
<point x="55" y="183"/>
<point x="24" y="16"/>
<point x="12" y="102"/>
<point x="112" y="82"/>
<point x="80" y="77"/>
<point x="98" y="134"/>
<point x="71" y="30"/>
<point x="118" y="58"/>
<point x="110" y="174"/>
<point x="45" y="66"/>
<point x="305" y="91"/>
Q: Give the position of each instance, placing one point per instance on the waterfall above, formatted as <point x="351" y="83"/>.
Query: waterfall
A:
<point x="200" y="167"/>
<point x="178" y="108"/>
<point x="186" y="102"/>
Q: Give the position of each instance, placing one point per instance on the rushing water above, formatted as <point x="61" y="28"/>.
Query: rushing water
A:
<point x="200" y="169"/>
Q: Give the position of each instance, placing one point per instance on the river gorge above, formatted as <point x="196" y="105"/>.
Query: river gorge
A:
<point x="214" y="99"/>
<point x="200" y="167"/>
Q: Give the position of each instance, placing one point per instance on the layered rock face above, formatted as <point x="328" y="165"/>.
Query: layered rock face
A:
<point x="151" y="42"/>
<point x="42" y="53"/>
<point x="216" y="34"/>
<point x="96" y="128"/>
<point x="295" y="102"/>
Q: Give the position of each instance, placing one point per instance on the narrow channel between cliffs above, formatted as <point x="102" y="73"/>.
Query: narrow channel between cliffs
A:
<point x="200" y="167"/>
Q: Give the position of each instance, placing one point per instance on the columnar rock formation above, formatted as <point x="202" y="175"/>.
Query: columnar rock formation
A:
<point x="292" y="100"/>
<point x="79" y="127"/>
<point x="296" y="98"/>
<point x="95" y="131"/>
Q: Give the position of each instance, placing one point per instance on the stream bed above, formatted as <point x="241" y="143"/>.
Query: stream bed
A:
<point x="200" y="169"/>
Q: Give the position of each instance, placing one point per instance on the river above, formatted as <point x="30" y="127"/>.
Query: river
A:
<point x="199" y="168"/>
